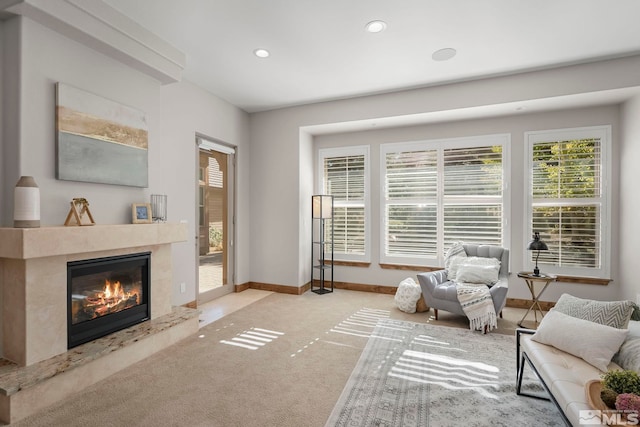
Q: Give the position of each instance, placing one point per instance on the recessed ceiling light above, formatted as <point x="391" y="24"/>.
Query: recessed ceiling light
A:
<point x="376" y="26"/>
<point x="261" y="53"/>
<point x="444" y="54"/>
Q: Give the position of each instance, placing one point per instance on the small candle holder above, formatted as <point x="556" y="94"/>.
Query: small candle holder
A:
<point x="159" y="207"/>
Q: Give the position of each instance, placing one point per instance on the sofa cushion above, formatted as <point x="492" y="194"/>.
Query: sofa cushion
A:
<point x="594" y="343"/>
<point x="611" y="313"/>
<point x="629" y="355"/>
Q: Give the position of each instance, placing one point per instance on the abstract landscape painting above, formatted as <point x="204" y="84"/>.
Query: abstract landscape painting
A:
<point x="99" y="140"/>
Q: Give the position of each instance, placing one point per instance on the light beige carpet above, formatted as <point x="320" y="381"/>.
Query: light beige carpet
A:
<point x="281" y="361"/>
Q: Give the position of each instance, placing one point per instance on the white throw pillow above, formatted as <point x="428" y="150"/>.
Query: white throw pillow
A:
<point x="629" y="355"/>
<point x="472" y="275"/>
<point x="454" y="265"/>
<point x="455" y="251"/>
<point x="407" y="295"/>
<point x="592" y="342"/>
<point x="480" y="260"/>
<point x="485" y="274"/>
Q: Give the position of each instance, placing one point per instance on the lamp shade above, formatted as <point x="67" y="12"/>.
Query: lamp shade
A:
<point x="536" y="244"/>
<point x="322" y="206"/>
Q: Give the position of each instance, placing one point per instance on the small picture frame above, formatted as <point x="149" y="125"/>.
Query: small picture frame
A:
<point x="141" y="213"/>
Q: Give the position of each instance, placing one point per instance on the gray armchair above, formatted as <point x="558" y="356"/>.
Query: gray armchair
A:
<point x="440" y="293"/>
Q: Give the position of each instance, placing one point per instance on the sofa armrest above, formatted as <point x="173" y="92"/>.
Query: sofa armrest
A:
<point x="429" y="280"/>
<point x="428" y="283"/>
<point x="503" y="282"/>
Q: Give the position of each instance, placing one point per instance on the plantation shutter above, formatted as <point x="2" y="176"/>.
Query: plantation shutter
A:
<point x="440" y="192"/>
<point x="344" y="178"/>
<point x="567" y="201"/>
<point x="411" y="210"/>
<point x="473" y="195"/>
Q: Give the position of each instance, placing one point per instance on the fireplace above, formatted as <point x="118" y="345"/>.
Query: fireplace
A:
<point x="105" y="295"/>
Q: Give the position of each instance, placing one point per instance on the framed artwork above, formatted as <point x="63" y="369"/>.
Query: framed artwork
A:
<point x="141" y="213"/>
<point x="99" y="140"/>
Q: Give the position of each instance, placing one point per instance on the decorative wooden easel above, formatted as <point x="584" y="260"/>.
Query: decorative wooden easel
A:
<point x="79" y="207"/>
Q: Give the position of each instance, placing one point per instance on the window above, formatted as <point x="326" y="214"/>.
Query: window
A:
<point x="439" y="192"/>
<point x="568" y="200"/>
<point x="345" y="175"/>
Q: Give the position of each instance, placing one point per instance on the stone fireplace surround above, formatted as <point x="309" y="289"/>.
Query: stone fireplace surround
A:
<point x="36" y="369"/>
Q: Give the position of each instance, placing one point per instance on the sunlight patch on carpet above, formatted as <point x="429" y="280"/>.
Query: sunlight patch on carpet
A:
<point x="449" y="372"/>
<point x="253" y="339"/>
<point x="361" y="323"/>
<point x="305" y="347"/>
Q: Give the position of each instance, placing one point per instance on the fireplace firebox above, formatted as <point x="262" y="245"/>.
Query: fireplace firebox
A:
<point x="105" y="295"/>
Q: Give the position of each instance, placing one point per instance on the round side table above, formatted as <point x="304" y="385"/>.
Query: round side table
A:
<point x="530" y="279"/>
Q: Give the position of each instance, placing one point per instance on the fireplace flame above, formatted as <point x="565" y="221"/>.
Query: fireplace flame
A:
<point x="112" y="291"/>
<point x="111" y="299"/>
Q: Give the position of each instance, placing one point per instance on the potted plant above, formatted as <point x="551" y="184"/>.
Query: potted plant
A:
<point x="621" y="390"/>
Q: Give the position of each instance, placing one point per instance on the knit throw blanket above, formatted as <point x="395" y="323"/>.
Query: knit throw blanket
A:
<point x="477" y="304"/>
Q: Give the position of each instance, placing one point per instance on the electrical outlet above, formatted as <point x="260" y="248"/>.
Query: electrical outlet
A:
<point x="183" y="288"/>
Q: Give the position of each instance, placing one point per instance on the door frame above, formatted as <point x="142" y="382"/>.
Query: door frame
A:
<point x="211" y="144"/>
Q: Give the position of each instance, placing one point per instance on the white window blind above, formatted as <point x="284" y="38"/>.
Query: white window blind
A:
<point x="568" y="205"/>
<point x="473" y="195"/>
<point x="436" y="193"/>
<point x="345" y="176"/>
<point x="411" y="209"/>
<point x="215" y="174"/>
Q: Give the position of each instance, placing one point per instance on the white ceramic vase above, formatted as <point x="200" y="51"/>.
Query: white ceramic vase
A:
<point x="26" y="203"/>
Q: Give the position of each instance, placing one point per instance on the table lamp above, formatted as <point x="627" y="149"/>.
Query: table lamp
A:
<point x="537" y="245"/>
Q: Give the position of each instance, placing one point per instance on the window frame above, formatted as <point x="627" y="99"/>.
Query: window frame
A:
<point x="603" y="132"/>
<point x="503" y="140"/>
<point x="355" y="150"/>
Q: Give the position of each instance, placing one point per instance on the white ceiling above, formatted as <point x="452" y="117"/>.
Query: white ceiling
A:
<point x="320" y="50"/>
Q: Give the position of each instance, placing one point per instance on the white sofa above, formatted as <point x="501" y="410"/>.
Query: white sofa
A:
<point x="564" y="375"/>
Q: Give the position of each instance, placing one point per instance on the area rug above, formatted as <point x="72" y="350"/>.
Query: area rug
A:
<point x="414" y="374"/>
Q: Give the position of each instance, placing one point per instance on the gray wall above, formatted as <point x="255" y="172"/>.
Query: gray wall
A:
<point x="515" y="126"/>
<point x="629" y="242"/>
<point x="282" y="171"/>
<point x="186" y="110"/>
<point x="47" y="58"/>
<point x="275" y="154"/>
<point x="2" y="154"/>
<point x="11" y="61"/>
<point x="175" y="114"/>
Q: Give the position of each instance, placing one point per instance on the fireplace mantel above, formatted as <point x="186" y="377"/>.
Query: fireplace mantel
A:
<point x="28" y="243"/>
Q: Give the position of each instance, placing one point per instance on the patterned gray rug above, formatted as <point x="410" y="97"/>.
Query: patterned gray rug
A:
<point x="414" y="374"/>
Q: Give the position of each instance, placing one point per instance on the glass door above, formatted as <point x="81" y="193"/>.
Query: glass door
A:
<point x="215" y="229"/>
